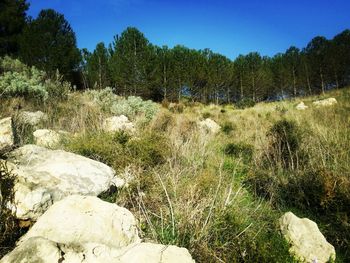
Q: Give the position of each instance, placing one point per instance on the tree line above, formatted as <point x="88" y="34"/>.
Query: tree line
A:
<point x="131" y="65"/>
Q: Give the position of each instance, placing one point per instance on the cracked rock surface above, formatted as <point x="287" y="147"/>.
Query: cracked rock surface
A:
<point x="87" y="229"/>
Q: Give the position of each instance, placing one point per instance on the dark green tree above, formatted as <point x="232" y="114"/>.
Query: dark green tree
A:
<point x="49" y="43"/>
<point x="131" y="63"/>
<point x="97" y="66"/>
<point x="12" y="22"/>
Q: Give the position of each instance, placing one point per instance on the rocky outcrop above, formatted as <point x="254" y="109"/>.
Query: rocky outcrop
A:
<point x="325" y="102"/>
<point x="48" y="138"/>
<point x="118" y="123"/>
<point x="307" y="242"/>
<point x="6" y="135"/>
<point x="209" y="126"/>
<point x="31" y="118"/>
<point x="88" y="230"/>
<point x="86" y="219"/>
<point x="46" y="176"/>
<point x="301" y="106"/>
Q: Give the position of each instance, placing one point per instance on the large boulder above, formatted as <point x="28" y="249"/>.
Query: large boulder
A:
<point x="6" y="135"/>
<point x="301" y="106"/>
<point x="209" y="126"/>
<point x="89" y="230"/>
<point x="46" y="176"/>
<point x="47" y="138"/>
<point x="307" y="242"/>
<point x="86" y="219"/>
<point x="325" y="102"/>
<point x="31" y="118"/>
<point x="118" y="123"/>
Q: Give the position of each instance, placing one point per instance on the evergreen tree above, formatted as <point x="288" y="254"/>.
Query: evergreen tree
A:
<point x="12" y="22"/>
<point x="49" y="43"/>
<point x="97" y="66"/>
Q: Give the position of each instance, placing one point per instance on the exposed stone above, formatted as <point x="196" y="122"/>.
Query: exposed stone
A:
<point x="47" y="138"/>
<point x="301" y="106"/>
<point x="154" y="253"/>
<point x="209" y="126"/>
<point x="31" y="118"/>
<point x="6" y="135"/>
<point x="118" y="123"/>
<point x="86" y="219"/>
<point x="89" y="230"/>
<point x="35" y="250"/>
<point x="325" y="102"/>
<point x="46" y="176"/>
<point x="307" y="242"/>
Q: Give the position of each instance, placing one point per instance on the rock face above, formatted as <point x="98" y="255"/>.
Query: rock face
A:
<point x="325" y="102"/>
<point x="86" y="219"/>
<point x="209" y="126"/>
<point x="301" y="106"/>
<point x="118" y="123"/>
<point x="31" y="118"/>
<point x="6" y="135"/>
<point x="307" y="242"/>
<point x="47" y="138"/>
<point x="46" y="176"/>
<point x="88" y="230"/>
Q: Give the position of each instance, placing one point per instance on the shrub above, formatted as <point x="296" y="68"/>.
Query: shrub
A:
<point x="130" y="107"/>
<point x="245" y="103"/>
<point x="19" y="80"/>
<point x="206" y="115"/>
<point x="9" y="228"/>
<point x="239" y="150"/>
<point x="133" y="106"/>
<point x="150" y="150"/>
<point x="227" y="127"/>
<point x="285" y="144"/>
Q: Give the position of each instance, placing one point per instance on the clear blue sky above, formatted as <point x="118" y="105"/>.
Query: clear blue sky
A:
<point x="228" y="27"/>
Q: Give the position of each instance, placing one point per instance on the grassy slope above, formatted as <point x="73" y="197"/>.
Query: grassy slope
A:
<point x="187" y="191"/>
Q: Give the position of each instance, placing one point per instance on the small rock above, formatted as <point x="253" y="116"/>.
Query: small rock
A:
<point x="31" y="118"/>
<point x="307" y="242"/>
<point x="325" y="102"/>
<point x="301" y="106"/>
<point x="47" y="138"/>
<point x="118" y="123"/>
<point x="209" y="126"/>
<point x="6" y="135"/>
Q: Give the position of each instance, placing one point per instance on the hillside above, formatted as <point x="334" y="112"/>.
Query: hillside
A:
<point x="216" y="190"/>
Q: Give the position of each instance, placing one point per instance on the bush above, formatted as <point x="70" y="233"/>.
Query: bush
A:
<point x="206" y="115"/>
<point x="130" y="107"/>
<point x="18" y="80"/>
<point x="239" y="150"/>
<point x="227" y="127"/>
<point x="119" y="150"/>
<point x="245" y="103"/>
<point x="9" y="228"/>
<point x="285" y="144"/>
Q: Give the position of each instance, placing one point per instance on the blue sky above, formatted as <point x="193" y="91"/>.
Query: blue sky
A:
<point x="228" y="27"/>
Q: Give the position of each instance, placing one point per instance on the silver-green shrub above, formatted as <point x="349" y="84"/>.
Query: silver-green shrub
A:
<point x="17" y="79"/>
<point x="130" y="107"/>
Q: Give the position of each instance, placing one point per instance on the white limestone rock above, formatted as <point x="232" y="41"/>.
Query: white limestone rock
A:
<point x="47" y="138"/>
<point x="46" y="176"/>
<point x="31" y="118"/>
<point x="118" y="123"/>
<point x="6" y="135"/>
<point x="325" y="102"/>
<point x="209" y="126"/>
<point x="301" y="106"/>
<point x="307" y="242"/>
